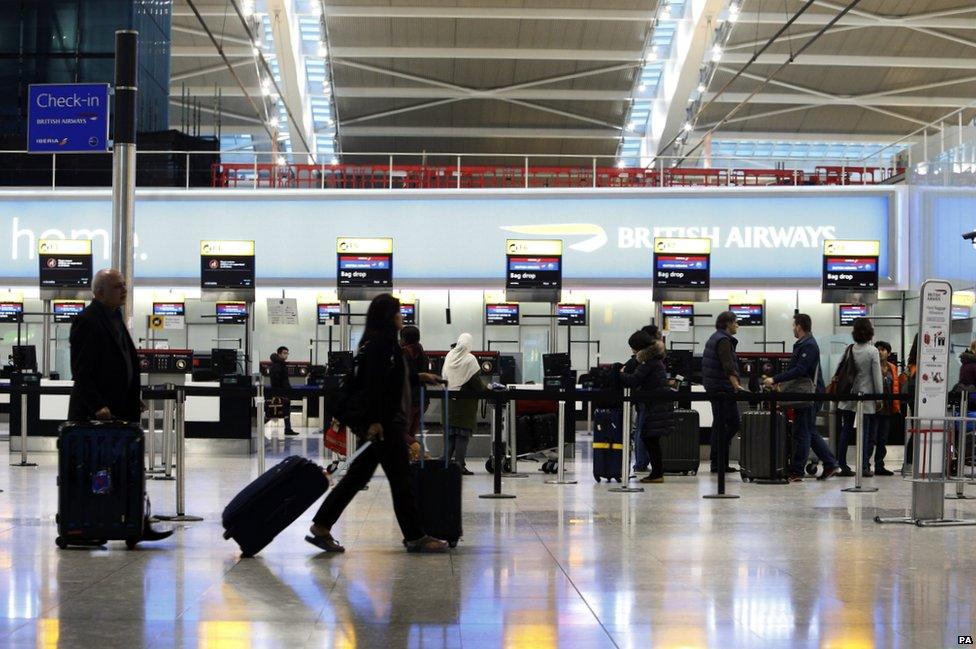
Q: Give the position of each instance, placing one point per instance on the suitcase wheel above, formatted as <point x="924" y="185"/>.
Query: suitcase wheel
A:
<point x="811" y="469"/>
<point x="695" y="472"/>
<point x="684" y="473"/>
<point x="597" y="479"/>
<point x="130" y="544"/>
<point x="452" y="544"/>
<point x="490" y="465"/>
<point x="227" y="535"/>
<point x="60" y="543"/>
<point x="507" y="466"/>
<point x="745" y="478"/>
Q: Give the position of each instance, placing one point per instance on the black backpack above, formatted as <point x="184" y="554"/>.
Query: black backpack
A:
<point x="843" y="381"/>
<point x="347" y="402"/>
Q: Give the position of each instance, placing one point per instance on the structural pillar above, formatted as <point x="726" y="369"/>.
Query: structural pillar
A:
<point x="124" y="159"/>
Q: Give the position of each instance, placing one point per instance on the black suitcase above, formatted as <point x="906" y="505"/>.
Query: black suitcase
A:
<point x="264" y="508"/>
<point x="608" y="443"/>
<point x="764" y="448"/>
<point x="437" y="486"/>
<point x="681" y="449"/>
<point x="101" y="483"/>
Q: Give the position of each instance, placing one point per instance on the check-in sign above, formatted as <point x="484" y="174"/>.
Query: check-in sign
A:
<point x="68" y="118"/>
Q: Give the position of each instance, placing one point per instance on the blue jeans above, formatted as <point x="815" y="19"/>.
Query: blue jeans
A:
<point x="846" y="437"/>
<point x="805" y="436"/>
<point x="642" y="458"/>
<point x="880" y="425"/>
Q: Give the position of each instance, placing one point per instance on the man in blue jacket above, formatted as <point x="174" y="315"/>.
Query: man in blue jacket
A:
<point x="720" y="376"/>
<point x="806" y="363"/>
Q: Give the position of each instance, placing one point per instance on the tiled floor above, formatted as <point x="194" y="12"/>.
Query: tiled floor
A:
<point x="802" y="565"/>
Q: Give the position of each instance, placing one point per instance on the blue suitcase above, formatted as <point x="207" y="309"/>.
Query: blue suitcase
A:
<point x="101" y="483"/>
<point x="608" y="443"/>
<point x="273" y="502"/>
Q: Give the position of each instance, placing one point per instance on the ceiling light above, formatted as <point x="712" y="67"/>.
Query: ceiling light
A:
<point x="702" y="88"/>
<point x="666" y="10"/>
<point x="641" y="88"/>
<point x="688" y="127"/>
<point x="255" y="51"/>
<point x="651" y="54"/>
<point x="247" y="8"/>
<point x="335" y="161"/>
<point x="734" y="11"/>
<point x="323" y="50"/>
<point x="281" y="160"/>
<point x="273" y="122"/>
<point x="621" y="164"/>
<point x="717" y="53"/>
<point x="266" y="87"/>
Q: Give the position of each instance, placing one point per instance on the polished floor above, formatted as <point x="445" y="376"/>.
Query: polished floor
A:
<point x="800" y="565"/>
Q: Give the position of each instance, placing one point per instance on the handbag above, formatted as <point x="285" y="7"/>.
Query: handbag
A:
<point x="348" y="404"/>
<point x="335" y="438"/>
<point x="801" y="384"/>
<point x="843" y="382"/>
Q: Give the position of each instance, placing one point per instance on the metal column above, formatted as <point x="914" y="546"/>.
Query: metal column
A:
<point x="124" y="158"/>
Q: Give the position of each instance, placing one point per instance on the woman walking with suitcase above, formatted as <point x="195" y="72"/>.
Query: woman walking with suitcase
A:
<point x="656" y="416"/>
<point x="382" y="377"/>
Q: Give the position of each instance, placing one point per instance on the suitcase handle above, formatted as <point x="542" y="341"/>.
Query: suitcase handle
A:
<point x="445" y="415"/>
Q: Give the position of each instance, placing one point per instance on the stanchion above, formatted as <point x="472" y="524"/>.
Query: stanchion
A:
<point x="23" y="433"/>
<point x="625" y="435"/>
<point x="963" y="413"/>
<point x="259" y="408"/>
<point x="512" y="436"/>
<point x="168" y="432"/>
<point x="722" y="451"/>
<point x="859" y="459"/>
<point x="498" y="453"/>
<point x="151" y="437"/>
<point x="561" y="451"/>
<point x="180" y="409"/>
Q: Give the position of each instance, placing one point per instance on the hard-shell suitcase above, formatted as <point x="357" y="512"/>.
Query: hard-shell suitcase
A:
<point x="264" y="508"/>
<point x="681" y="449"/>
<point x="764" y="447"/>
<point x="437" y="486"/>
<point x="608" y="443"/>
<point x="101" y="483"/>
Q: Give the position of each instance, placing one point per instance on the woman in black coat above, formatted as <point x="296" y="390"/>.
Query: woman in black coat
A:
<point x="657" y="415"/>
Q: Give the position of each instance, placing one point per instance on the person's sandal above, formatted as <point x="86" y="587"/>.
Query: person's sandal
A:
<point x="325" y="542"/>
<point x="426" y="544"/>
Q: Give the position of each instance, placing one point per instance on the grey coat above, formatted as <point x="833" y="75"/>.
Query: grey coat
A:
<point x="869" y="379"/>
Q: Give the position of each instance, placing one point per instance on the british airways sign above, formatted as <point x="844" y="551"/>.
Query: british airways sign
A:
<point x="68" y="118"/>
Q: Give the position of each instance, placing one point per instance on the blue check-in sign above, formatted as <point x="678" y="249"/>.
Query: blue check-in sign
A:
<point x="68" y="118"/>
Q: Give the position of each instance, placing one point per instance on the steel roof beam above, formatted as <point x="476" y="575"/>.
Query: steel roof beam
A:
<point x="481" y="132"/>
<point x="291" y="68"/>
<point x="798" y="98"/>
<point x="210" y="69"/>
<point x="193" y="31"/>
<point x="489" y="13"/>
<point x="393" y="92"/>
<point x="851" y="20"/>
<point x="483" y="53"/>
<point x="842" y="60"/>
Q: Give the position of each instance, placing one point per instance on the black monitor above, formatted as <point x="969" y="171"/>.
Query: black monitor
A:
<point x="679" y="363"/>
<point x="328" y="313"/>
<point x="169" y="308"/>
<point x="24" y="357"/>
<point x="365" y="270"/>
<point x="231" y="312"/>
<point x="226" y="265"/>
<point x="341" y="363"/>
<point x="11" y="311"/>
<point x="848" y="313"/>
<point x="748" y="315"/>
<point x="556" y="364"/>
<point x="409" y="313"/>
<point x="961" y="311"/>
<point x="224" y="361"/>
<point x="64" y="264"/>
<point x="571" y="314"/>
<point x="678" y="310"/>
<point x="534" y="271"/>
<point x="66" y="310"/>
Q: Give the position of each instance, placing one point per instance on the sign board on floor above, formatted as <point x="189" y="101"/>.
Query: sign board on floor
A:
<point x="935" y="320"/>
<point x="67" y="118"/>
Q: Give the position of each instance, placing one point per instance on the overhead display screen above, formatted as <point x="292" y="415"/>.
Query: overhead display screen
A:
<point x="848" y="313"/>
<point x="678" y="309"/>
<point x="409" y="313"/>
<point x="328" y="313"/>
<point x="169" y="308"/>
<point x="502" y="314"/>
<point x="851" y="265"/>
<point x="571" y="314"/>
<point x="11" y="311"/>
<point x="226" y="265"/>
<point x="364" y="263"/>
<point x="64" y="264"/>
<point x="231" y="312"/>
<point x="961" y="312"/>
<point x="682" y="264"/>
<point x="66" y="310"/>
<point x="748" y="315"/>
<point x="534" y="264"/>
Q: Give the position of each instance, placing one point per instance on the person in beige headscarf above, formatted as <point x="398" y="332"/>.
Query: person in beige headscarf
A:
<point x="463" y="373"/>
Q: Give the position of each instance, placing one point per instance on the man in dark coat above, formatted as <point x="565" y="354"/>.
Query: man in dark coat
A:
<point x="720" y="376"/>
<point x="104" y="363"/>
<point x="278" y="373"/>
<point x="656" y="417"/>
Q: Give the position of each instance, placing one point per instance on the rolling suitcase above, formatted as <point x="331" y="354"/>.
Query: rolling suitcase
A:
<point x="264" y="508"/>
<point x="608" y="443"/>
<point x="101" y="483"/>
<point x="764" y="450"/>
<point x="680" y="450"/>
<point x="437" y="486"/>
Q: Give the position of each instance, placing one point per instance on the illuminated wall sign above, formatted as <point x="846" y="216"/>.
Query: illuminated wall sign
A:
<point x="227" y="265"/>
<point x="534" y="264"/>
<point x="502" y="314"/>
<point x="571" y="314"/>
<point x="65" y="263"/>
<point x="66" y="310"/>
<point x="364" y="263"/>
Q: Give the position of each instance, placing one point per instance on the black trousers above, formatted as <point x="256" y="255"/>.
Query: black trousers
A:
<point x="725" y="425"/>
<point x="654" y="453"/>
<point x="392" y="454"/>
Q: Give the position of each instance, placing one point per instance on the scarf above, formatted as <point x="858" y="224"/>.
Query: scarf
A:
<point x="460" y="364"/>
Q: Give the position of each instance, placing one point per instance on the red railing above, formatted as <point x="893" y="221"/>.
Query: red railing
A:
<point x="380" y="176"/>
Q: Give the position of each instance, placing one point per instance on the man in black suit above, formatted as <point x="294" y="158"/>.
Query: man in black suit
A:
<point x="104" y="363"/>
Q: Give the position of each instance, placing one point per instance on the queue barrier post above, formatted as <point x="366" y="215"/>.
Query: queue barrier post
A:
<point x="151" y="437"/>
<point x="512" y="438"/>
<point x="168" y="433"/>
<point x="561" y="451"/>
<point x="723" y="446"/>
<point x="497" y="451"/>
<point x="259" y="408"/>
<point x="962" y="433"/>
<point x="626" y="433"/>
<point x="23" y="433"/>
<point x="859" y="459"/>
<point x="180" y="412"/>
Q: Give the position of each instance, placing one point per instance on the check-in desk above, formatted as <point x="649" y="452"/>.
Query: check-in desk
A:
<point x="45" y="414"/>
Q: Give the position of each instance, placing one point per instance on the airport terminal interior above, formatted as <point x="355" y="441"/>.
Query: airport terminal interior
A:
<point x="622" y="231"/>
